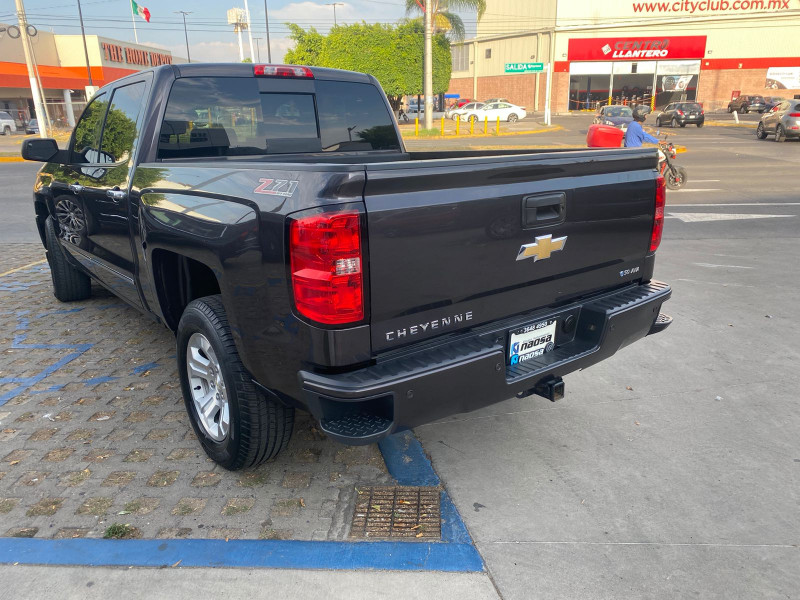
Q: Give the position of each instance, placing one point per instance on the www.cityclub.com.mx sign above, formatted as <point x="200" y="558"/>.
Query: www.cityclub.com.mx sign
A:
<point x="524" y="67"/>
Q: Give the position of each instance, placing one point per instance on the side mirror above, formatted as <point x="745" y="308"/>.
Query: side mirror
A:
<point x="39" y="149"/>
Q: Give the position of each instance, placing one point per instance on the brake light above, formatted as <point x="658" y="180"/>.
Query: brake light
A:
<point x="281" y="71"/>
<point x="794" y="114"/>
<point x="326" y="265"/>
<point x="658" y="217"/>
<point x="680" y="112"/>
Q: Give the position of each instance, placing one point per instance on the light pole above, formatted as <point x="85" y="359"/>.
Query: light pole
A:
<point x="266" y="16"/>
<point x="37" y="98"/>
<point x="258" y="47"/>
<point x="427" y="82"/>
<point x="186" y="35"/>
<point x="85" y="49"/>
<point x="334" y="5"/>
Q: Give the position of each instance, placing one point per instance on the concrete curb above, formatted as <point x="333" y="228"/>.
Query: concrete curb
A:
<point x="9" y="159"/>
<point x="726" y="124"/>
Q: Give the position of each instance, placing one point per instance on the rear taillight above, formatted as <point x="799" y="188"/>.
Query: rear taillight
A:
<point x="680" y="112"/>
<point x="282" y="71"/>
<point x="794" y="114"/>
<point x="658" y="217"/>
<point x="326" y="265"/>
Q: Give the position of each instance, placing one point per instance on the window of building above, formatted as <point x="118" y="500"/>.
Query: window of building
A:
<point x="488" y="53"/>
<point x="460" y="57"/>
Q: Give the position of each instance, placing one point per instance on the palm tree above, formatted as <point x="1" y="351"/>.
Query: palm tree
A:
<point x="445" y="21"/>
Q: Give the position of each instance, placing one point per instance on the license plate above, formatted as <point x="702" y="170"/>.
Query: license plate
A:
<point x="531" y="341"/>
<point x="693" y="115"/>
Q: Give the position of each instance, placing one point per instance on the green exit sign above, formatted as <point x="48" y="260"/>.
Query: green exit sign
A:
<point x="524" y="67"/>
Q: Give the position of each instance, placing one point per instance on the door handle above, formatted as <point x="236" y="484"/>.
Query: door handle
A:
<point x="117" y="195"/>
<point x="76" y="187"/>
<point x="544" y="209"/>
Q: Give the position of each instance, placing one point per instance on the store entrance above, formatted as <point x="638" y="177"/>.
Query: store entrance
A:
<point x="633" y="88"/>
<point x="587" y="92"/>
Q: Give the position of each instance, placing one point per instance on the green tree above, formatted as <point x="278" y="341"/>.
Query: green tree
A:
<point x="444" y="19"/>
<point x="391" y="53"/>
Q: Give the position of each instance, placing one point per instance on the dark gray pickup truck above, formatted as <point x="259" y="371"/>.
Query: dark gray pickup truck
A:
<point x="271" y="217"/>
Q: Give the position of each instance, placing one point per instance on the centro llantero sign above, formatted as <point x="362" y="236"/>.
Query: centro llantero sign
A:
<point x="639" y="48"/>
<point x="134" y="56"/>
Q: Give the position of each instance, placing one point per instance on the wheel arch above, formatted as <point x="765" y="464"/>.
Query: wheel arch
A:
<point x="179" y="279"/>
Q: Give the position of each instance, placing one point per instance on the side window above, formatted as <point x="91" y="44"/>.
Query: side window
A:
<point x="120" y="131"/>
<point x="86" y="144"/>
<point x="669" y="107"/>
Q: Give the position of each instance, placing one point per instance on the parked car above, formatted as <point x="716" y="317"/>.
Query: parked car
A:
<point x="746" y="104"/>
<point x="455" y="113"/>
<point x="460" y="102"/>
<point x="502" y="110"/>
<point x="683" y="114"/>
<point x="783" y="122"/>
<point x="771" y="102"/>
<point x="32" y="126"/>
<point x="313" y="262"/>
<point x="614" y="114"/>
<point x="7" y="124"/>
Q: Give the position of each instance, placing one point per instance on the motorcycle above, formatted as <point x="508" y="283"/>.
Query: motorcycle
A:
<point x="674" y="175"/>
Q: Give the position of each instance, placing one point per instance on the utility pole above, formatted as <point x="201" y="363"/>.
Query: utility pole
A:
<point x="85" y="48"/>
<point x="266" y="16"/>
<point x="258" y="47"/>
<point x="334" y="5"/>
<point x="428" y="81"/>
<point x="37" y="99"/>
<point x="186" y="35"/>
<point x="249" y="31"/>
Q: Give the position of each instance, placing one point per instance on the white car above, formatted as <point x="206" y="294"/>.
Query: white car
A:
<point x="7" y="124"/>
<point x="504" y="110"/>
<point x="455" y="113"/>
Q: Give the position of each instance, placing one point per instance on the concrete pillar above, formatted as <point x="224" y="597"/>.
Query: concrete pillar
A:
<point x="68" y="108"/>
<point x="475" y="70"/>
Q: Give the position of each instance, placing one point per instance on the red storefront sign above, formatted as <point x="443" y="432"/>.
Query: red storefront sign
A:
<point x="637" y="48"/>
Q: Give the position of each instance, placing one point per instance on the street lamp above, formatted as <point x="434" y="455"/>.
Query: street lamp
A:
<point x="334" y="5"/>
<point x="186" y="35"/>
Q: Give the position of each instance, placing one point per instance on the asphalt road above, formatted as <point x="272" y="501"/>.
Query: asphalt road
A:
<point x="671" y="470"/>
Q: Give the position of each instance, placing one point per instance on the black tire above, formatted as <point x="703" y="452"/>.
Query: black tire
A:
<point x="69" y="284"/>
<point x="761" y="132"/>
<point x="682" y="124"/>
<point x="454" y="117"/>
<point x="473" y="119"/>
<point x="745" y="110"/>
<point x="700" y="124"/>
<point x="513" y="118"/>
<point x="730" y="109"/>
<point x="260" y="426"/>
<point x="658" y="122"/>
<point x="780" y="134"/>
<point x="676" y="182"/>
<point x="6" y="130"/>
<point x="674" y="122"/>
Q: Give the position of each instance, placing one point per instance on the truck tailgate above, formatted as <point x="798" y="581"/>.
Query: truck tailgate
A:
<point x="446" y="237"/>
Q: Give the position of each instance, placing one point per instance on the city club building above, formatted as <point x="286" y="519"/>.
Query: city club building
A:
<point x="629" y="50"/>
<point x="63" y="75"/>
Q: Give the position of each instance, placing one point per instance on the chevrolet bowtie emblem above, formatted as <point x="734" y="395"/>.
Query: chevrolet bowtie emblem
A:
<point x="542" y="248"/>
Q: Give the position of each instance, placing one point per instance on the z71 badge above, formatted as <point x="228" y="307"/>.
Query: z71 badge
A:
<point x="276" y="187"/>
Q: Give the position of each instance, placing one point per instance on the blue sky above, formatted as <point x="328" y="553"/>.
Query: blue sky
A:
<point x="210" y="38"/>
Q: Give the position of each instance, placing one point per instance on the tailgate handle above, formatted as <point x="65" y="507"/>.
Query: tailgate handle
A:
<point x="543" y="209"/>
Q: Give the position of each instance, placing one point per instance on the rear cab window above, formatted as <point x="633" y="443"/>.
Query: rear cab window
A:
<point x="242" y="116"/>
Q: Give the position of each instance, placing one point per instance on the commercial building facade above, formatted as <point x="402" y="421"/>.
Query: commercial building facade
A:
<point x="654" y="52"/>
<point x="63" y="75"/>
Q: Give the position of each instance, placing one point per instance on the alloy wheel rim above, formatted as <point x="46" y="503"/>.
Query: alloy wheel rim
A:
<point x="71" y="220"/>
<point x="207" y="385"/>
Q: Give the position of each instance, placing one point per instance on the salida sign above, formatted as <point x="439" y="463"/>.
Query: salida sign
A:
<point x="637" y="48"/>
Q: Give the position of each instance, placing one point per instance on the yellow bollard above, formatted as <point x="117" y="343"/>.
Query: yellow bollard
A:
<point x="442" y="125"/>
<point x="416" y="127"/>
<point x="485" y="124"/>
<point x="472" y="126"/>
<point x="498" y="125"/>
<point x="458" y="126"/>
<point x="610" y="100"/>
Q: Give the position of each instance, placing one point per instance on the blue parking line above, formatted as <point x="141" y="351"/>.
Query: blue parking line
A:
<point x="276" y="554"/>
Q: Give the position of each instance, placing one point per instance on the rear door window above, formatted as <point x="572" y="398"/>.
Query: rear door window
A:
<point x="209" y="116"/>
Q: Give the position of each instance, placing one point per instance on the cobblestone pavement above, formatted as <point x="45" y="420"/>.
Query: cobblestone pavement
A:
<point x="93" y="433"/>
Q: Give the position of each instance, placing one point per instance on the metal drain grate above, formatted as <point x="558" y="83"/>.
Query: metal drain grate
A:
<point x="397" y="512"/>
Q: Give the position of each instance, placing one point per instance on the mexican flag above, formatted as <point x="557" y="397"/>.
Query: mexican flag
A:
<point x="140" y="10"/>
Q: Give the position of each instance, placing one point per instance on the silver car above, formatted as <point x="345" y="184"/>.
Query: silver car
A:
<point x="7" y="124"/>
<point x="783" y="121"/>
